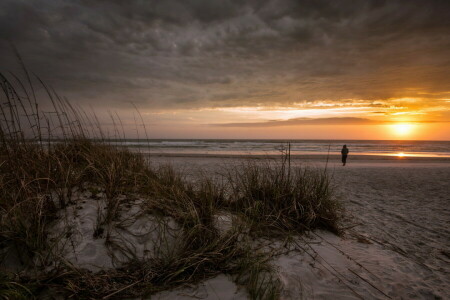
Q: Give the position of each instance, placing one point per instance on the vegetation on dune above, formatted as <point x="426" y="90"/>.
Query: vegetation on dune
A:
<point x="275" y="197"/>
<point x="11" y="289"/>
<point x="45" y="157"/>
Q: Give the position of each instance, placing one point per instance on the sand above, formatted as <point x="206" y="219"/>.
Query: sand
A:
<point x="397" y="245"/>
<point x="220" y="287"/>
<point x="134" y="234"/>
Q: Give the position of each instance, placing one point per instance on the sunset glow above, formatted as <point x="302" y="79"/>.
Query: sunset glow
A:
<point x="403" y="129"/>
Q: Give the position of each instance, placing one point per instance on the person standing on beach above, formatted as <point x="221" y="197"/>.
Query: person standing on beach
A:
<point x="344" y="153"/>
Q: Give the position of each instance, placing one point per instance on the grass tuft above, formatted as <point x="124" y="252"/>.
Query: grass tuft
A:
<point x="274" y="196"/>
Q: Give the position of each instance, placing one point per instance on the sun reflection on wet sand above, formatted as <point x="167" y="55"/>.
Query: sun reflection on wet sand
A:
<point x="405" y="154"/>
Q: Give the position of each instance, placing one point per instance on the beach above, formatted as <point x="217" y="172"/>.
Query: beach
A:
<point x="225" y="150"/>
<point x="396" y="244"/>
<point x="391" y="239"/>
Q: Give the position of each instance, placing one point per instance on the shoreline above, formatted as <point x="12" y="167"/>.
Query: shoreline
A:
<point x="309" y="157"/>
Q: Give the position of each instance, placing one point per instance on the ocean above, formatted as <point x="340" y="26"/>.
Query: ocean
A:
<point x="298" y="147"/>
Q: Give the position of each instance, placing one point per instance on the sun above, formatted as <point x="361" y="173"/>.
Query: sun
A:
<point x="403" y="129"/>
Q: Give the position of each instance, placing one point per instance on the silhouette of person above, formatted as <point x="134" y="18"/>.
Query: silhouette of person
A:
<point x="344" y="153"/>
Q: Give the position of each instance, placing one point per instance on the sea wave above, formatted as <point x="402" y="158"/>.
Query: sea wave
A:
<point x="357" y="147"/>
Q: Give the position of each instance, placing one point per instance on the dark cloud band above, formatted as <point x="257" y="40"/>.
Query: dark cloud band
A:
<point x="194" y="54"/>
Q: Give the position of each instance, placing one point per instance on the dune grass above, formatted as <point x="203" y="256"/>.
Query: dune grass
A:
<point x="10" y="289"/>
<point x="46" y="157"/>
<point x="186" y="263"/>
<point x="29" y="207"/>
<point x="275" y="197"/>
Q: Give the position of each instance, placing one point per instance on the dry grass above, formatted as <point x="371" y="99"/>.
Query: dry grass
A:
<point x="46" y="157"/>
<point x="185" y="263"/>
<point x="273" y="196"/>
<point x="11" y="289"/>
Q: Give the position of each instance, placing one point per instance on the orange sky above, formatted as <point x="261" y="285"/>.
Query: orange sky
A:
<point x="393" y="119"/>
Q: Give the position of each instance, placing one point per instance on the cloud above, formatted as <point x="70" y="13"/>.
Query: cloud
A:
<point x="219" y="53"/>
<point x="314" y="121"/>
<point x="305" y="121"/>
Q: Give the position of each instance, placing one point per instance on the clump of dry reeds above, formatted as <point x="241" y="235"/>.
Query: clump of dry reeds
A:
<point x="10" y="288"/>
<point x="273" y="196"/>
<point x="227" y="254"/>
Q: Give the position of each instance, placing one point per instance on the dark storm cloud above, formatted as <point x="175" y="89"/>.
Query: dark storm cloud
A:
<point x="193" y="54"/>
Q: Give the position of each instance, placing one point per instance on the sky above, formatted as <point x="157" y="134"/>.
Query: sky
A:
<point x="243" y="69"/>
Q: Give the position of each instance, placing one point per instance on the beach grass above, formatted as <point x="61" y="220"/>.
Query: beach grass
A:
<point x="47" y="157"/>
<point x="275" y="197"/>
